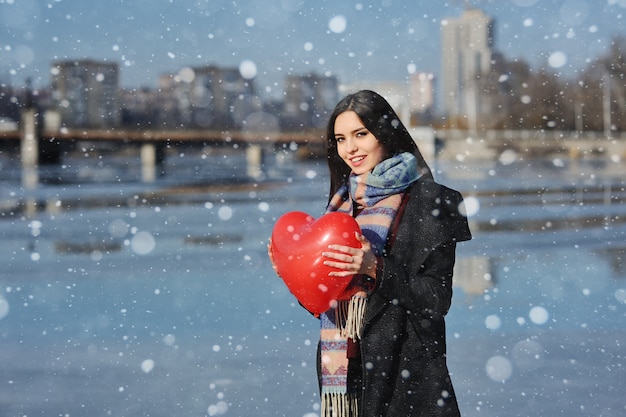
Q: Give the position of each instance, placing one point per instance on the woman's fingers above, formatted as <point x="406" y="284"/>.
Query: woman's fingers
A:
<point x="348" y="260"/>
<point x="341" y="256"/>
<point x="270" y="254"/>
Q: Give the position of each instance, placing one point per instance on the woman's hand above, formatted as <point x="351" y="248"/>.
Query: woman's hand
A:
<point x="351" y="261"/>
<point x="271" y="256"/>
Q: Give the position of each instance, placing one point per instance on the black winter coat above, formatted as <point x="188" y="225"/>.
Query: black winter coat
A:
<point x="402" y="370"/>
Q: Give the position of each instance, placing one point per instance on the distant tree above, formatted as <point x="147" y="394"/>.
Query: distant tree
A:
<point x="506" y="86"/>
<point x="548" y="105"/>
<point x="522" y="98"/>
<point x="602" y="88"/>
<point x="495" y="88"/>
<point x="590" y="89"/>
<point x="615" y="65"/>
<point x="516" y="96"/>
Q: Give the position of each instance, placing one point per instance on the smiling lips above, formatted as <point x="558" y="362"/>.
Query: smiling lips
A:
<point x="357" y="160"/>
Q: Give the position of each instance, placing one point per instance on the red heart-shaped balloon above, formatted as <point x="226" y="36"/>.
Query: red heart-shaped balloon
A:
<point x="298" y="241"/>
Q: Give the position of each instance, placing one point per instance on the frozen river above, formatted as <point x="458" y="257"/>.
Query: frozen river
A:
<point x="124" y="299"/>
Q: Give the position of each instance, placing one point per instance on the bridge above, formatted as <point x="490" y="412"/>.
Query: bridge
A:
<point x="48" y="144"/>
<point x="208" y="137"/>
<point x="493" y="144"/>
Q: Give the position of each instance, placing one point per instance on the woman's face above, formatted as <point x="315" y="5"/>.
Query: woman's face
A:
<point x="356" y="145"/>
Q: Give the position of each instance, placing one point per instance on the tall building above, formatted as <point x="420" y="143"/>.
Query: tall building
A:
<point x="309" y="100"/>
<point x="207" y="97"/>
<point x="222" y="95"/>
<point x="138" y="107"/>
<point x="467" y="47"/>
<point x="85" y="93"/>
<point x="168" y="110"/>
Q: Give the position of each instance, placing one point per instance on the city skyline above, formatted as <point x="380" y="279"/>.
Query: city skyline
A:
<point x="274" y="40"/>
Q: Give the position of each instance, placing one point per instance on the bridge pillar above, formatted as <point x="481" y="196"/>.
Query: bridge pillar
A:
<point x="149" y="161"/>
<point x="152" y="157"/>
<point x="29" y="150"/>
<point x="254" y="160"/>
<point x="50" y="150"/>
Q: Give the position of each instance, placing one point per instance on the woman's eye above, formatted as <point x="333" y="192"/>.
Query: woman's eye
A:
<point x="338" y="139"/>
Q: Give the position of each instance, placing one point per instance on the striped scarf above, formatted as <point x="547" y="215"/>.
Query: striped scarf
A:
<point x="375" y="198"/>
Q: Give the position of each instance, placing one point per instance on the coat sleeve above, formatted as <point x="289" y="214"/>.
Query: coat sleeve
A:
<point x="427" y="293"/>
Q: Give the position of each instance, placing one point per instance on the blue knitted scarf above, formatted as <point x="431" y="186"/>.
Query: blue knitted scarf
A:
<point x="374" y="198"/>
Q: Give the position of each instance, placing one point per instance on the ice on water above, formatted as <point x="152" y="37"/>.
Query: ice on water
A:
<point x="172" y="308"/>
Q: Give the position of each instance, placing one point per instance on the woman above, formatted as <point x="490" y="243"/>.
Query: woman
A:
<point x="382" y="350"/>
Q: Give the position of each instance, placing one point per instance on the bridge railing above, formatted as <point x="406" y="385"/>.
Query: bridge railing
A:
<point x="207" y="136"/>
<point x="527" y="135"/>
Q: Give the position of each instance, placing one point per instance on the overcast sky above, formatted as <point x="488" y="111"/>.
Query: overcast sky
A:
<point x="354" y="40"/>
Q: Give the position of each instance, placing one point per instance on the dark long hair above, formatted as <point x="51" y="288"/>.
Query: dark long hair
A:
<point x="382" y="121"/>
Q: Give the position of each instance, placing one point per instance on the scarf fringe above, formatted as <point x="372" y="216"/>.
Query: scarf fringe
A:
<point x="351" y="316"/>
<point x="339" y="405"/>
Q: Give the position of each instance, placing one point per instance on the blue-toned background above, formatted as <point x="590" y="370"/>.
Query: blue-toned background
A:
<point x="124" y="299"/>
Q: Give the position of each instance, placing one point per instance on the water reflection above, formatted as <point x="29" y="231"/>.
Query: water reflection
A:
<point x="616" y="258"/>
<point x="474" y="274"/>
